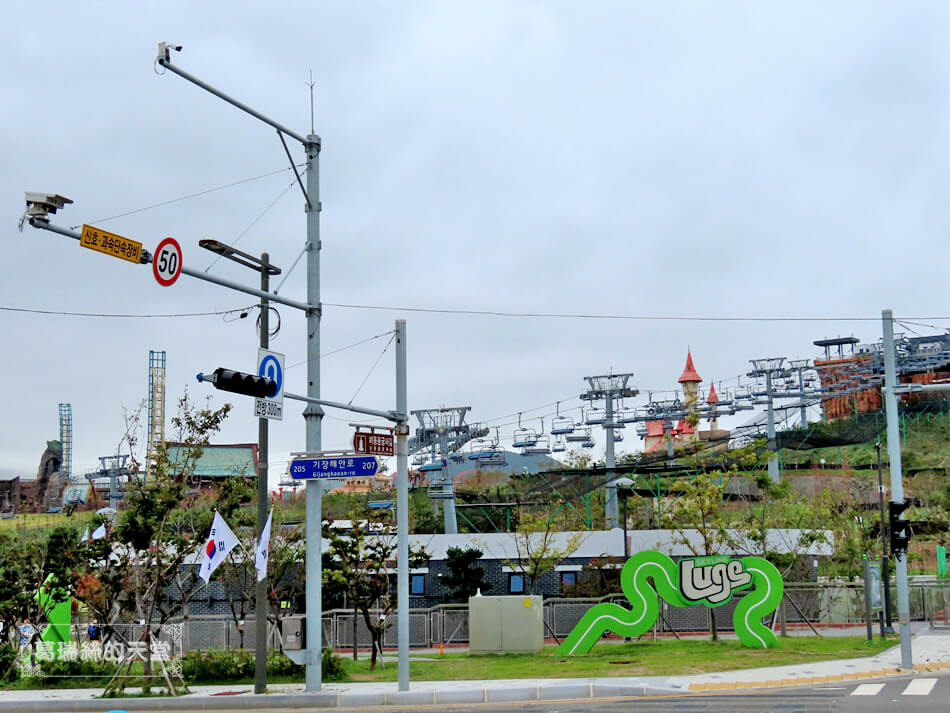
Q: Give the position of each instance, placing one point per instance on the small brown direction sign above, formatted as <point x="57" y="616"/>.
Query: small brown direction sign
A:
<point x="373" y="444"/>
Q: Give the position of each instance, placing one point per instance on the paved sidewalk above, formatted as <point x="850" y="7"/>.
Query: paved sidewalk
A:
<point x="931" y="651"/>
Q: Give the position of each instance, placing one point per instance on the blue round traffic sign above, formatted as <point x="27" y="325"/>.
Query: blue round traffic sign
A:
<point x="270" y="369"/>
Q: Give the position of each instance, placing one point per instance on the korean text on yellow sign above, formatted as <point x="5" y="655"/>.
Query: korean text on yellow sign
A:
<point x="110" y="244"/>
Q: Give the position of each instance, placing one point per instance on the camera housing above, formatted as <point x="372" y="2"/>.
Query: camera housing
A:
<point x="40" y="205"/>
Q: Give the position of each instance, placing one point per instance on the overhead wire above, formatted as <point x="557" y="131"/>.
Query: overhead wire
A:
<point x="341" y="349"/>
<point x="373" y="367"/>
<point x="253" y="223"/>
<point x="628" y="317"/>
<point x="197" y="194"/>
<point x="113" y="315"/>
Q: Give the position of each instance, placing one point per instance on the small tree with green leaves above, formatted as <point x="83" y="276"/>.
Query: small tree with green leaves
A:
<point x="698" y="508"/>
<point x="155" y="536"/>
<point x="539" y="549"/>
<point x="364" y="565"/>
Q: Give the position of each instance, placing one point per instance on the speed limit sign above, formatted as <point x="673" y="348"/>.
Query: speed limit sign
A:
<point x="166" y="262"/>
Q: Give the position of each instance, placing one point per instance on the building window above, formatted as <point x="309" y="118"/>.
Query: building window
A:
<point x="417" y="584"/>
<point x="515" y="583"/>
<point x="568" y="579"/>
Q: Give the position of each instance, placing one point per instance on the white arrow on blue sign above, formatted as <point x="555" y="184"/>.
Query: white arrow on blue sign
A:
<point x="333" y="467"/>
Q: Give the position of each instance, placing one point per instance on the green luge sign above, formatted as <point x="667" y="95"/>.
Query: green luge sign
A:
<point x="710" y="580"/>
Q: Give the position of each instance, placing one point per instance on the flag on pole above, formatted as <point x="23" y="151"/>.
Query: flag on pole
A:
<point x="262" y="551"/>
<point x="219" y="545"/>
<point x="85" y="536"/>
<point x="99" y="532"/>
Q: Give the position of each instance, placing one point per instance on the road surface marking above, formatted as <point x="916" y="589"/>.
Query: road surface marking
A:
<point x="920" y="687"/>
<point x="867" y="689"/>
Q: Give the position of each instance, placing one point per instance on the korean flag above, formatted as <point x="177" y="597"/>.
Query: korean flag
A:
<point x="219" y="545"/>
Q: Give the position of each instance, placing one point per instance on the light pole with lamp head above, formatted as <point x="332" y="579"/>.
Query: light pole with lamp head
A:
<point x="262" y="265"/>
<point x="624" y="491"/>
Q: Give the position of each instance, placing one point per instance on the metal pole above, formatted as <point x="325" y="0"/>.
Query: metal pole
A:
<point x="773" y="459"/>
<point x="626" y="545"/>
<point x="885" y="570"/>
<point x="402" y="506"/>
<point x="610" y="494"/>
<point x="260" y="589"/>
<point x="450" y="522"/>
<point x="313" y="418"/>
<point x="801" y="395"/>
<point x="897" y="485"/>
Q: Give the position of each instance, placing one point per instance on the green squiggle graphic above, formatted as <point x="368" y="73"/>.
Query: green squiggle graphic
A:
<point x="761" y="600"/>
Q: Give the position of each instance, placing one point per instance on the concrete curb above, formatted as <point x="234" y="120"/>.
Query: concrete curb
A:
<point x="810" y="680"/>
<point x="348" y="699"/>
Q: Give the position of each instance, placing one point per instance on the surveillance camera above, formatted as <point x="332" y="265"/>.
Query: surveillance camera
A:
<point x="40" y="205"/>
<point x="164" y="51"/>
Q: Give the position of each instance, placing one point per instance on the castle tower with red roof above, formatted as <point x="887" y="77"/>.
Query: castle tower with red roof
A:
<point x="712" y="399"/>
<point x="690" y="381"/>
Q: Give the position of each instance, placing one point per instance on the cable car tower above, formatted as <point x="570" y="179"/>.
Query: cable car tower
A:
<point x="607" y="388"/>
<point x="442" y="431"/>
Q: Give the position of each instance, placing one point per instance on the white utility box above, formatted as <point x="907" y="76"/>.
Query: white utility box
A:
<point x="500" y="625"/>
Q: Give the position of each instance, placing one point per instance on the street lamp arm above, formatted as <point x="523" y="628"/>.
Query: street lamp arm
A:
<point x="167" y="64"/>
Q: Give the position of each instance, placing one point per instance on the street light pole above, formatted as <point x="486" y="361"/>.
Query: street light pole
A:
<point x="262" y="265"/>
<point x="260" y="588"/>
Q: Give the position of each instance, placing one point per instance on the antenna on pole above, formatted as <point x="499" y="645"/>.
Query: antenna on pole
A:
<point x="311" y="84"/>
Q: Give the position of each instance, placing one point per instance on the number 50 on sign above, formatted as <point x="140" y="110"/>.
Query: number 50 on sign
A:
<point x="166" y="263"/>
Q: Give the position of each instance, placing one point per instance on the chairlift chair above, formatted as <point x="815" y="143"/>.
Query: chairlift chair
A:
<point x="524" y="438"/>
<point x="595" y="416"/>
<point x="625" y="414"/>
<point x="419" y="459"/>
<point x="618" y="436"/>
<point x="561" y="425"/>
<point x="559" y="445"/>
<point x="579" y="435"/>
<point x="541" y="447"/>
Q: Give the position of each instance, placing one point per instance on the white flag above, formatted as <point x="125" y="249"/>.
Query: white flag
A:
<point x="219" y="545"/>
<point x="85" y="536"/>
<point x="262" y="552"/>
<point x="99" y="532"/>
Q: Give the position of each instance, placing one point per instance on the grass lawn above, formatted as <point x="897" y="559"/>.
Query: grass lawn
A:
<point x="644" y="658"/>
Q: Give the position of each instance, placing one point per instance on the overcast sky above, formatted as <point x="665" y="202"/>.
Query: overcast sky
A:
<point x="730" y="160"/>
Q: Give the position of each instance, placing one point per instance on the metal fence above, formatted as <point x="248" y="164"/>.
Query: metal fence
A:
<point x="821" y="605"/>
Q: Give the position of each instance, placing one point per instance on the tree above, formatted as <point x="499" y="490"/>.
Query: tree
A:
<point x="155" y="536"/>
<point x="33" y="562"/>
<point x="365" y="566"/>
<point x="539" y="549"/>
<point x="465" y="578"/>
<point x="698" y="507"/>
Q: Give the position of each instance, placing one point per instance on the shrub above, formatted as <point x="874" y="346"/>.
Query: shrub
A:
<point x="217" y="665"/>
<point x="60" y="671"/>
<point x="332" y="666"/>
<point x="238" y="665"/>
